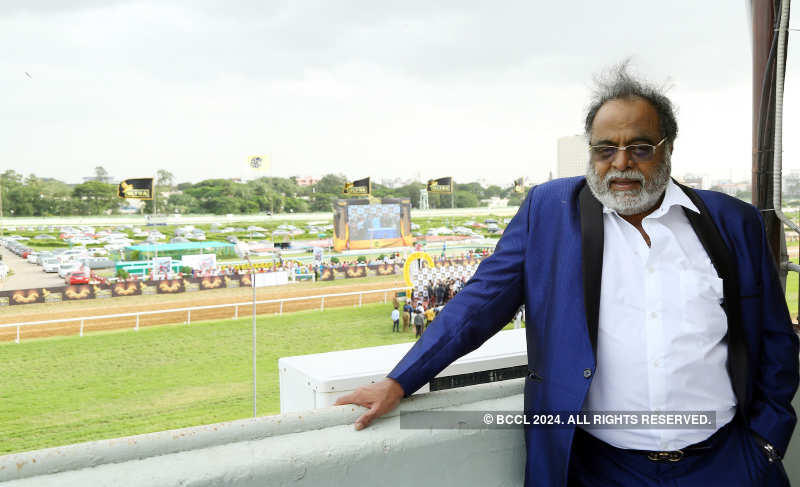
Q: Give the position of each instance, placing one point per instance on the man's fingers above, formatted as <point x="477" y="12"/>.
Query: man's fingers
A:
<point x="353" y="398"/>
<point x="380" y="398"/>
<point x="346" y="399"/>
<point x="366" y="418"/>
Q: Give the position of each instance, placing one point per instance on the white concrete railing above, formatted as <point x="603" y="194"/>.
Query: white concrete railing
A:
<point x="137" y="315"/>
<point x="313" y="448"/>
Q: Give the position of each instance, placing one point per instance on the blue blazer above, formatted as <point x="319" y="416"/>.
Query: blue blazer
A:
<point x="550" y="258"/>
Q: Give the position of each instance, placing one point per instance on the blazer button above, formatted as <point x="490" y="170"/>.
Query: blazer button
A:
<point x="587" y="373"/>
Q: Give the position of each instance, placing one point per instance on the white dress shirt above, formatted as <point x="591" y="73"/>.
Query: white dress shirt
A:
<point x="661" y="330"/>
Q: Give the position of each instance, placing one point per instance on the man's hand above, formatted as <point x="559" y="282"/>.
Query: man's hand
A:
<point x="380" y="397"/>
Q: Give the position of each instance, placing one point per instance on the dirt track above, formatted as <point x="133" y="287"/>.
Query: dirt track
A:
<point x="201" y="298"/>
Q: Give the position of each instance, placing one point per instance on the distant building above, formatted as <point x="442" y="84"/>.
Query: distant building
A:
<point x="396" y="182"/>
<point x="694" y="181"/>
<point x="730" y="188"/>
<point x="106" y="179"/>
<point x="573" y="155"/>
<point x="306" y="180"/>
<point x="495" y="202"/>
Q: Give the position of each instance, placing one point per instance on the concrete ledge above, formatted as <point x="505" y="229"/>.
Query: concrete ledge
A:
<point x="318" y="447"/>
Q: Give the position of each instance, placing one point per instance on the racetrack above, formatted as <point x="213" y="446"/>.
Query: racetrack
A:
<point x="134" y="304"/>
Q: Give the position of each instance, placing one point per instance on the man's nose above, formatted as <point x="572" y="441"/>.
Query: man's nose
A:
<point x="622" y="160"/>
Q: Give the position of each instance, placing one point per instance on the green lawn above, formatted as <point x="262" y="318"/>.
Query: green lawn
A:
<point x="59" y="391"/>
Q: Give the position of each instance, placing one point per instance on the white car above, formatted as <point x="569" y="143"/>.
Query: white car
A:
<point x="50" y="264"/>
<point x="76" y="253"/>
<point x="68" y="267"/>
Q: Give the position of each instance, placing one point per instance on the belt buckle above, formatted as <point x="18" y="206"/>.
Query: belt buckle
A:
<point x="661" y="456"/>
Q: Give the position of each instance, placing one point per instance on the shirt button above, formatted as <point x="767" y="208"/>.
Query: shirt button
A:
<point x="657" y="363"/>
<point x="650" y="269"/>
<point x="653" y="315"/>
<point x="587" y="373"/>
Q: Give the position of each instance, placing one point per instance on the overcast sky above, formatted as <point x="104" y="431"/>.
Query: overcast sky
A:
<point x="473" y="89"/>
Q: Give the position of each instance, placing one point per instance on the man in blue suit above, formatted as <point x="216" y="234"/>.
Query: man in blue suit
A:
<point x="641" y="295"/>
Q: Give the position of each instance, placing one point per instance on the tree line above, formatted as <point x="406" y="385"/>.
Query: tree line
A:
<point x="34" y="196"/>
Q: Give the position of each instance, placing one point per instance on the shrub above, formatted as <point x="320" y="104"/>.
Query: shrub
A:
<point x="334" y="260"/>
<point x="122" y="274"/>
<point x="186" y="269"/>
<point x="361" y="259"/>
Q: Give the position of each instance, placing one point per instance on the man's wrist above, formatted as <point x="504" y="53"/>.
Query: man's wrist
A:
<point x="396" y="387"/>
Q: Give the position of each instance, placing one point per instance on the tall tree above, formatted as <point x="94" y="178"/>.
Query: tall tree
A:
<point x="101" y="175"/>
<point x="96" y="197"/>
<point x="163" y="183"/>
<point x="165" y="178"/>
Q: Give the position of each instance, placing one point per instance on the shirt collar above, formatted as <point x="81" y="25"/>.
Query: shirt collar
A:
<point x="673" y="196"/>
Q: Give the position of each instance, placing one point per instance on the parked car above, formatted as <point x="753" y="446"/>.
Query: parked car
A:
<point x="178" y="240"/>
<point x="78" y="277"/>
<point x="50" y="264"/>
<point x="67" y="267"/>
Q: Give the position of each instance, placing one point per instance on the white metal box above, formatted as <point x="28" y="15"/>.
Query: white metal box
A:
<point x="317" y="380"/>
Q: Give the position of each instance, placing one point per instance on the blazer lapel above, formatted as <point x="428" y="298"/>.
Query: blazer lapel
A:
<point x="720" y="257"/>
<point x="591" y="214"/>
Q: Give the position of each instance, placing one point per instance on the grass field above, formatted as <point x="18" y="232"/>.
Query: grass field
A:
<point x="59" y="391"/>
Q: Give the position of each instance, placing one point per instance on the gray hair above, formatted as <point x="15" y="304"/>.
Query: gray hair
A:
<point x="616" y="83"/>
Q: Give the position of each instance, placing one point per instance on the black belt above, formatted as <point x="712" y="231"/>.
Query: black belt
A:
<point x="671" y="455"/>
<point x="694" y="449"/>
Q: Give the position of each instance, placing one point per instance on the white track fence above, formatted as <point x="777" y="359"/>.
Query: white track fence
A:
<point x="135" y="317"/>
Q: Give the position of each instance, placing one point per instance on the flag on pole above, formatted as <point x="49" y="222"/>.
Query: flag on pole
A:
<point x="519" y="185"/>
<point x="136" y="189"/>
<point x="360" y="187"/>
<point x="258" y="163"/>
<point x="441" y="185"/>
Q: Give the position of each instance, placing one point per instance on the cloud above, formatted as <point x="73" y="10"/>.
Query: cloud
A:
<point x="398" y="87"/>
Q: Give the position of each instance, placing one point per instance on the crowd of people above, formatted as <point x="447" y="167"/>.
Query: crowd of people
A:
<point x="420" y="313"/>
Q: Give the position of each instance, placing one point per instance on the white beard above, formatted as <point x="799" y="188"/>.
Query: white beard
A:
<point x="633" y="201"/>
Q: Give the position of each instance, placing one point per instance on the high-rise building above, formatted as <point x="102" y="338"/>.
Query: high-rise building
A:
<point x="572" y="156"/>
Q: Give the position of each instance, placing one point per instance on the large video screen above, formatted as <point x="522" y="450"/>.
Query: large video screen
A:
<point x="359" y="224"/>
